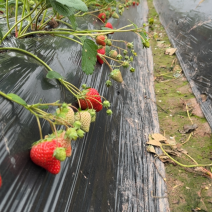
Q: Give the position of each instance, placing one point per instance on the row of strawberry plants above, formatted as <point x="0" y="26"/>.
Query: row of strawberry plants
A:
<point x="96" y="46"/>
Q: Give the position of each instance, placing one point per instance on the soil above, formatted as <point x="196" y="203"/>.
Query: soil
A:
<point x="189" y="189"/>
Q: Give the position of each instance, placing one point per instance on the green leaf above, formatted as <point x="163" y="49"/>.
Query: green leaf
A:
<point x="83" y="39"/>
<point x="73" y="21"/>
<point x="133" y="24"/>
<point x="76" y="4"/>
<point x="89" y="52"/>
<point x="61" y="9"/>
<point x="17" y="99"/>
<point x="53" y="75"/>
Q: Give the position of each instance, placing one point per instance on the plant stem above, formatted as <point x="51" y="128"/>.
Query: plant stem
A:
<point x="7" y="15"/>
<point x="43" y="18"/>
<point x="39" y="126"/>
<point x="67" y="24"/>
<point x="16" y="17"/>
<point x="17" y="24"/>
<point x="188" y="166"/>
<point x="22" y="15"/>
<point x="69" y="39"/>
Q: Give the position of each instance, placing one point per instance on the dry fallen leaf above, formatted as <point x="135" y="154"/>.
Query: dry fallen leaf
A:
<point x="158" y="137"/>
<point x="150" y="149"/>
<point x="153" y="142"/>
<point x="170" y="51"/>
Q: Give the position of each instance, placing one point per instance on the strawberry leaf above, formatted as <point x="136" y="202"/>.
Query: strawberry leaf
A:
<point x="17" y="99"/>
<point x="53" y="75"/>
<point x="76" y="4"/>
<point x="62" y="9"/>
<point x="89" y="53"/>
<point x="73" y="21"/>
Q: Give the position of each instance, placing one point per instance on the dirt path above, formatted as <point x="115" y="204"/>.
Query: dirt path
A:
<point x="189" y="189"/>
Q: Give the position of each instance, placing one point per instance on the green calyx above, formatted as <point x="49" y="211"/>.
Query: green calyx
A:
<point x="132" y="69"/>
<point x="93" y="114"/>
<point x="119" y="56"/>
<point x="126" y="57"/>
<point x="80" y="133"/>
<point x="125" y="52"/>
<point x="130" y="45"/>
<point x="77" y="124"/>
<point x="125" y="64"/>
<point x="109" y="112"/>
<point x="146" y="44"/>
<point x="72" y="133"/>
<point x="60" y="153"/>
<point x="106" y="104"/>
<point x="108" y="83"/>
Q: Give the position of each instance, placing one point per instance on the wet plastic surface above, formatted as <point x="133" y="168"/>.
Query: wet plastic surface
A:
<point x="109" y="169"/>
<point x="189" y="27"/>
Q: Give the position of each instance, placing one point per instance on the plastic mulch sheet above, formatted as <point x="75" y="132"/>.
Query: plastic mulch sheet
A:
<point x="110" y="169"/>
<point x="189" y="27"/>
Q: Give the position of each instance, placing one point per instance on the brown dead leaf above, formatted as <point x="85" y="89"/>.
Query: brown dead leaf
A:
<point x="170" y="51"/>
<point x="150" y="149"/>
<point x="153" y="142"/>
<point x="158" y="137"/>
<point x="172" y="142"/>
<point x="166" y="159"/>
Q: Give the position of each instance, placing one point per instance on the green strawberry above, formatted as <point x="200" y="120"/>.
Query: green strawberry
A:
<point x="116" y="75"/>
<point x="108" y="42"/>
<point x="113" y="54"/>
<point x="115" y="15"/>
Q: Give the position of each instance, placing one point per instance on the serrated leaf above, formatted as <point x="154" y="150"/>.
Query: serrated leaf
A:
<point x="73" y="21"/>
<point x="76" y="4"/>
<point x="62" y="9"/>
<point x="89" y="53"/>
<point x="53" y="75"/>
<point x="83" y="39"/>
<point x="133" y="24"/>
<point x="17" y="99"/>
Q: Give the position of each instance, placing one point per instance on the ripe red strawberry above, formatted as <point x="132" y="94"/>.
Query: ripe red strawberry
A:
<point x="137" y="3"/>
<point x="64" y="142"/>
<point x="91" y="96"/>
<point x="42" y="155"/>
<point x="100" y="39"/>
<point x="109" y="25"/>
<point x="100" y="51"/>
<point x="102" y="16"/>
<point x="133" y="3"/>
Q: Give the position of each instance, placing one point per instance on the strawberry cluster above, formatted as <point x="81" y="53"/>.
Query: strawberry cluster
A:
<point x="56" y="147"/>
